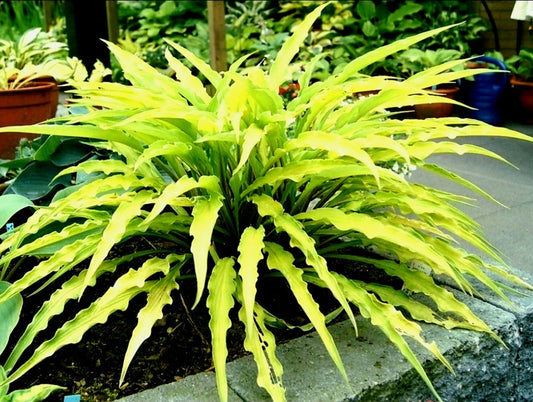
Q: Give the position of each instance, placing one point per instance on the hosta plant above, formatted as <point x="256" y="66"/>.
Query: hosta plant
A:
<point x="249" y="195"/>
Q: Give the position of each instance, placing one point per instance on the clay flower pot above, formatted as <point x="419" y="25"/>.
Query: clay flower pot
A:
<point x="525" y="96"/>
<point x="426" y="110"/>
<point x="31" y="104"/>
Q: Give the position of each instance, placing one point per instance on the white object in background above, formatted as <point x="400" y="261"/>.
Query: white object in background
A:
<point x="522" y="10"/>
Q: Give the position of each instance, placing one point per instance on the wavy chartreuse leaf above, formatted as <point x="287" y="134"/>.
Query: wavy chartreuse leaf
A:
<point x="337" y="145"/>
<point x="205" y="215"/>
<point x="417" y="281"/>
<point x="55" y="305"/>
<point x="373" y="227"/>
<point x="282" y="260"/>
<point x="221" y="287"/>
<point x="202" y="66"/>
<point x="394" y="325"/>
<point x="143" y="75"/>
<point x="116" y="228"/>
<point x="190" y="86"/>
<point x="115" y="298"/>
<point x="458" y="179"/>
<point x="250" y="250"/>
<point x="85" y="131"/>
<point x="300" y="239"/>
<point x="260" y="341"/>
<point x="157" y="298"/>
<point x="252" y="136"/>
<point x="279" y="68"/>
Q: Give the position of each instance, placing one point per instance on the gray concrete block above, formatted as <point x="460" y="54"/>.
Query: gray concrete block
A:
<point x="200" y="387"/>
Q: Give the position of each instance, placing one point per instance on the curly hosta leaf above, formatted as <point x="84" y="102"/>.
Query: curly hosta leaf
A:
<point x="300" y="239"/>
<point x="262" y="344"/>
<point x="116" y="228"/>
<point x="221" y="287"/>
<point x="10" y="312"/>
<point x="282" y="260"/>
<point x="393" y="324"/>
<point x="115" y="298"/>
<point x="205" y="215"/>
<point x="158" y="297"/>
<point x="70" y="290"/>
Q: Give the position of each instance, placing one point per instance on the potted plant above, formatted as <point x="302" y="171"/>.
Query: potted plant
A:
<point x="521" y="66"/>
<point x="417" y="61"/>
<point x="482" y="91"/>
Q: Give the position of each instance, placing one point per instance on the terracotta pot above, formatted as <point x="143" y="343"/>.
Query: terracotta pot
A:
<point x="437" y="109"/>
<point x="525" y="96"/>
<point x="31" y="104"/>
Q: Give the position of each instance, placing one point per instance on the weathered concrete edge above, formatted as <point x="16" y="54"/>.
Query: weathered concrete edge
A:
<point x="484" y="369"/>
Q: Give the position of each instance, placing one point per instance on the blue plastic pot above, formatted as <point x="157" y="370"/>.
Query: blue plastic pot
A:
<point x="484" y="92"/>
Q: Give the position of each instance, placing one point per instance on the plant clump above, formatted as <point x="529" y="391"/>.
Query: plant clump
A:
<point x="234" y="186"/>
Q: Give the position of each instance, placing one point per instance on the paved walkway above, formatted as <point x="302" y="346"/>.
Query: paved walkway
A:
<point x="509" y="229"/>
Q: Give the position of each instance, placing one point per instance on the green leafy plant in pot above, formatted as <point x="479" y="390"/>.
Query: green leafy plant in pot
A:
<point x="521" y="66"/>
<point x="233" y="188"/>
<point x="414" y="61"/>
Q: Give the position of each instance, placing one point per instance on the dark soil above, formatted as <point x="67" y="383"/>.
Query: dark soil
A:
<point x="179" y="345"/>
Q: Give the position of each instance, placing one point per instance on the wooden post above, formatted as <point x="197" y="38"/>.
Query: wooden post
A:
<point x="47" y="14"/>
<point x="112" y="20"/>
<point x="217" y="35"/>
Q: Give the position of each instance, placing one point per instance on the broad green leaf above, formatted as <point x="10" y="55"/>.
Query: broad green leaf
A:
<point x="10" y="204"/>
<point x="221" y="287"/>
<point x="158" y="297"/>
<point x="366" y="9"/>
<point x="10" y="312"/>
<point x="282" y="260"/>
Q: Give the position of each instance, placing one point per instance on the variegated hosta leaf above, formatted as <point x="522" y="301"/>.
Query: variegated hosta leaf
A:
<point x="221" y="287"/>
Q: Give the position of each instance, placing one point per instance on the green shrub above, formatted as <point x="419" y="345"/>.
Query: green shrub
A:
<point x="238" y="188"/>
